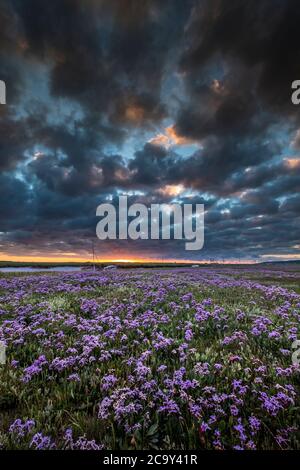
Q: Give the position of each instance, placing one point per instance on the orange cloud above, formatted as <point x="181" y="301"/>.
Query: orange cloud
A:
<point x="161" y="140"/>
<point x="134" y="114"/>
<point x="171" y="190"/>
<point x="177" y="139"/>
<point x="292" y="162"/>
<point x="170" y="138"/>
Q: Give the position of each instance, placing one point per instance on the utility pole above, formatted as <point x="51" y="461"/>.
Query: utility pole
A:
<point x="94" y="267"/>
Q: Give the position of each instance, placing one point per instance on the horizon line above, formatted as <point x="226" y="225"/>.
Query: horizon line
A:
<point x="140" y="261"/>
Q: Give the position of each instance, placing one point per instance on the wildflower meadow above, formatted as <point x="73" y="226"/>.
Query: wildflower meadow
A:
<point x="175" y="358"/>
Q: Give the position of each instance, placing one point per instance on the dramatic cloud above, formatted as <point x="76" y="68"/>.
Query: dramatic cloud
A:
<point x="186" y="101"/>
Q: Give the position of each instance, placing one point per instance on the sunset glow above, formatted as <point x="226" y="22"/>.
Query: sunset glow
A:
<point x="65" y="260"/>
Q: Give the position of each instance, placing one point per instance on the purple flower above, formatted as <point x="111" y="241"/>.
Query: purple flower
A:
<point x="82" y="443"/>
<point x="40" y="442"/>
<point x="20" y="429"/>
<point x="73" y="378"/>
<point x="108" y="381"/>
<point x="255" y="424"/>
<point x="204" y="427"/>
<point x="241" y="430"/>
<point x="170" y="407"/>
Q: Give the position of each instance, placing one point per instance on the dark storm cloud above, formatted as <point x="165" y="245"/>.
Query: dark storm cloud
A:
<point x="291" y="204"/>
<point x="107" y="55"/>
<point x="15" y="204"/>
<point x="12" y="143"/>
<point x="151" y="165"/>
<point x="60" y="177"/>
<point x="225" y="106"/>
<point x="264" y="37"/>
<point x="213" y="168"/>
<point x="115" y="74"/>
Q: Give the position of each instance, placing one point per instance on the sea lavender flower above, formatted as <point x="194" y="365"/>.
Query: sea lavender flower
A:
<point x="41" y="442"/>
<point x="82" y="443"/>
<point x="20" y="429"/>
<point x="234" y="410"/>
<point x="255" y="424"/>
<point x="108" y="382"/>
<point x="73" y="378"/>
<point x="241" y="430"/>
<point x="34" y="369"/>
<point x="204" y="427"/>
<point x="170" y="407"/>
<point x="188" y="335"/>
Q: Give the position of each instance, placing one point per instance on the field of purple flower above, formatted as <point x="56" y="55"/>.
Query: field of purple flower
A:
<point x="150" y="359"/>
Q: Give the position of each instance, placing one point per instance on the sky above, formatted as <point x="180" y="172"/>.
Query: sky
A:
<point x="183" y="101"/>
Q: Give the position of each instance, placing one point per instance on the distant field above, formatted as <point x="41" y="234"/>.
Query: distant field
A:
<point x="280" y="265"/>
<point x="174" y="358"/>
